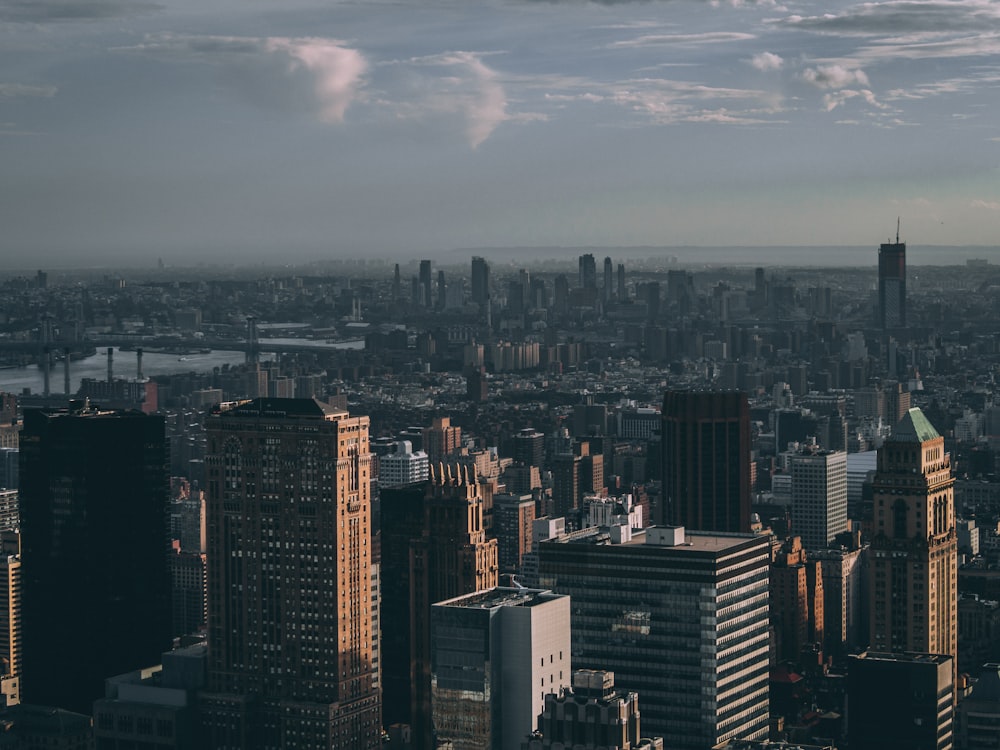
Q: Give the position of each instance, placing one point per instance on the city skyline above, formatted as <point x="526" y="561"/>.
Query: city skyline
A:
<point x="221" y="131"/>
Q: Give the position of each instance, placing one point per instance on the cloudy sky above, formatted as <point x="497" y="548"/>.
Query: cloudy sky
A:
<point x="228" y="129"/>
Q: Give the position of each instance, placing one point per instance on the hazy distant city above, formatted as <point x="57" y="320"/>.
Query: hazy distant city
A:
<point x="507" y="375"/>
<point x="585" y="501"/>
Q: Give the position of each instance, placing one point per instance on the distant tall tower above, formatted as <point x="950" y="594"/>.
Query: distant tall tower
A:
<point x="819" y="496"/>
<point x="397" y="288"/>
<point x="892" y="283"/>
<point x="622" y="292"/>
<point x="480" y="282"/>
<point x="94" y="507"/>
<point x="913" y="552"/>
<point x="425" y="283"/>
<point x="609" y="280"/>
<point x="442" y="297"/>
<point x="290" y="578"/>
<point x="588" y="271"/>
<point x="706" y="461"/>
<point x="450" y="558"/>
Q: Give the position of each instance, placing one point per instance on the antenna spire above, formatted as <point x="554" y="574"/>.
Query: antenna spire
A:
<point x="897" y="230"/>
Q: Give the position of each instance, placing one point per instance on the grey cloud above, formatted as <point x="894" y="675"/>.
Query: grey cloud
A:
<point x="49" y="11"/>
<point x="901" y="17"/>
<point x="307" y="74"/>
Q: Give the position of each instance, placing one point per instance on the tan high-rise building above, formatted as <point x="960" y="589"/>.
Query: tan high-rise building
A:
<point x="290" y="618"/>
<point x="451" y="558"/>
<point x="913" y="552"/>
<point x="10" y="617"/>
<point x="441" y="439"/>
<point x="796" y="600"/>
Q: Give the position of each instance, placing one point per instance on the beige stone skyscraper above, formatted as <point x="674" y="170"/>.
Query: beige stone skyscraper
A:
<point x="913" y="551"/>
<point x="289" y="579"/>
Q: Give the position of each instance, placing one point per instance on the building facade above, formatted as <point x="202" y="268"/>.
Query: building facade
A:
<point x="913" y="572"/>
<point x="819" y="496"/>
<point x="450" y="558"/>
<point x="680" y="617"/>
<point x="496" y="655"/>
<point x="290" y="618"/>
<point x="902" y="700"/>
<point x="892" y="284"/>
<point x="706" y="461"/>
<point x="94" y="549"/>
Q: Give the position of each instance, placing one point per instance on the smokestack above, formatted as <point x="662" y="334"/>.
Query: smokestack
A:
<point x="66" y="371"/>
<point x="138" y="363"/>
<point x="111" y="364"/>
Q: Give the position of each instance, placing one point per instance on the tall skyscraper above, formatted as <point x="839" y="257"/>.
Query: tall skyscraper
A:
<point x="609" y="281"/>
<point x="496" y="654"/>
<point x="680" y="618"/>
<point x="427" y="298"/>
<point x="11" y="626"/>
<point x="95" y="543"/>
<point x="706" y="461"/>
<point x="442" y="297"/>
<point x="819" y="496"/>
<point x="892" y="283"/>
<point x="480" y="282"/>
<point x="289" y="578"/>
<point x="451" y="557"/>
<point x="588" y="271"/>
<point x="914" y="546"/>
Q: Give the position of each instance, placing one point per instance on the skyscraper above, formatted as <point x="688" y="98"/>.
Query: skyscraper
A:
<point x="451" y="557"/>
<point x="609" y="281"/>
<point x="289" y="578"/>
<point x="819" y="496"/>
<point x="913" y="552"/>
<point x="480" y="282"/>
<point x="94" y="506"/>
<point x="706" y="461"/>
<point x="892" y="283"/>
<point x="588" y="271"/>
<point x="680" y="618"/>
<point x="427" y="299"/>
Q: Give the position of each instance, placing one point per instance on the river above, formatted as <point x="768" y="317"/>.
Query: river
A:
<point x="16" y="379"/>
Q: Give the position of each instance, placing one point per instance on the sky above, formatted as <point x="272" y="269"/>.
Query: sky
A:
<point x="251" y="130"/>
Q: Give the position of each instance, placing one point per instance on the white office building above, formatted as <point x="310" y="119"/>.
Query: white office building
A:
<point x="403" y="467"/>
<point x="819" y="496"/>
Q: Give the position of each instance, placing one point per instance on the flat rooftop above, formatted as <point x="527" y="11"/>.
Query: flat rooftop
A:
<point x="501" y="597"/>
<point x="693" y="541"/>
<point x="906" y="656"/>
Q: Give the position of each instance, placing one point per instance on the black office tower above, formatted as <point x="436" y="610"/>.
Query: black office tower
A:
<point x="892" y="283"/>
<point x="94" y="509"/>
<point x="706" y="461"/>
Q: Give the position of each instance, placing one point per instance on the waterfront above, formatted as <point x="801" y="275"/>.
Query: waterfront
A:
<point x="16" y="379"/>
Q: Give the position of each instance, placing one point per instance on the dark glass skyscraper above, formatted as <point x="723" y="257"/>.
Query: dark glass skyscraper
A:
<point x="480" y="281"/>
<point x="706" y="461"/>
<point x="94" y="494"/>
<point x="892" y="283"/>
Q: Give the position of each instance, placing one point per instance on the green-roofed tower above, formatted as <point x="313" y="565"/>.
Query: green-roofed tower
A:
<point x="913" y="552"/>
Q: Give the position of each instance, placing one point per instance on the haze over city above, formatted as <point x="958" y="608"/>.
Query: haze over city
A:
<point x="221" y="131"/>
